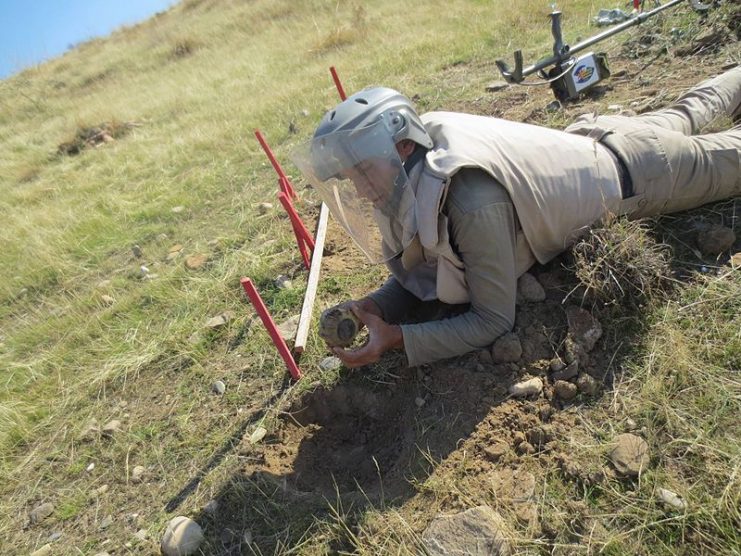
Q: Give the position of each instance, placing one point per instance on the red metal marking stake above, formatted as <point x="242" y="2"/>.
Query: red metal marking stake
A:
<point x="337" y="83"/>
<point x="283" y="182"/>
<point x="269" y="323"/>
<point x="303" y="237"/>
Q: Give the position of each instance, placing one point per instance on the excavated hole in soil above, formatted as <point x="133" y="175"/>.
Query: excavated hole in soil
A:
<point x="349" y="438"/>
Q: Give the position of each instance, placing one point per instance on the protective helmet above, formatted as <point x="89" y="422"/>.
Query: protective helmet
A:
<point x="371" y="105"/>
<point x="354" y="165"/>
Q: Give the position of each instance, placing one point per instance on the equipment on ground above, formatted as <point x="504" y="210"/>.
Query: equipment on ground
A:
<point x="571" y="75"/>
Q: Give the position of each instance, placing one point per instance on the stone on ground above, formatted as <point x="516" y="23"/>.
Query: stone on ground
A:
<point x="587" y="385"/>
<point x="565" y="390"/>
<point x="182" y="537"/>
<point x="583" y="327"/>
<point x="43" y="551"/>
<point x="288" y="328"/>
<point x="629" y="454"/>
<point x="671" y="499"/>
<point x="137" y="474"/>
<point x="529" y="289"/>
<point x="41" y="512"/>
<point x="218" y="388"/>
<point x="531" y="387"/>
<point x="507" y="349"/>
<point x="330" y="363"/>
<point x="111" y="428"/>
<point x="479" y="531"/>
<point x="713" y="241"/>
<point x="196" y="262"/>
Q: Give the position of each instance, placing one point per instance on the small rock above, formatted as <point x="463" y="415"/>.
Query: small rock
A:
<point x="331" y="363"/>
<point x="196" y="262"/>
<point x="141" y="535"/>
<point x="264" y="208"/>
<point x="90" y="432"/>
<point x="539" y="436"/>
<point x="219" y="320"/>
<point x="55" y="536"/>
<point x="615" y="107"/>
<point x="525" y="448"/>
<point x="587" y="385"/>
<point x="43" y="551"/>
<point x="565" y="390"/>
<point x="211" y="507"/>
<point x="175" y="248"/>
<point x="529" y="289"/>
<point x="507" y="349"/>
<point x="715" y="240"/>
<point x="567" y="373"/>
<point x="90" y="467"/>
<point x="630" y="424"/>
<point x="106" y="522"/>
<point x="496" y="86"/>
<point x="671" y="499"/>
<point x="144" y="270"/>
<point x="102" y="489"/>
<point x="735" y="261"/>
<point x="218" y="388"/>
<point x="479" y="531"/>
<point x="496" y="451"/>
<point x="283" y="282"/>
<point x="629" y="455"/>
<point x="485" y="357"/>
<point x="136" y="251"/>
<point x="305" y="113"/>
<point x="556" y="365"/>
<point x="583" y="327"/>
<point x="419" y="402"/>
<point x="574" y="352"/>
<point x="182" y="537"/>
<point x="518" y="438"/>
<point x="102" y="554"/>
<point x="288" y="328"/>
<point x="177" y="209"/>
<point x="111" y="428"/>
<point x="258" y="435"/>
<point x="137" y="474"/>
<point x="553" y="106"/>
<point x="107" y="299"/>
<point x="532" y="387"/>
<point x="41" y="512"/>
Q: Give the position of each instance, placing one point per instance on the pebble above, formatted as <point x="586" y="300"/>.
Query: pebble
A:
<point x="529" y="289"/>
<point x="629" y="455"/>
<point x="553" y="106"/>
<point x="283" y="282"/>
<point x="568" y="372"/>
<point x="525" y="448"/>
<point x="288" y="328"/>
<point x="258" y="435"/>
<point x="630" y="424"/>
<point x="219" y="320"/>
<point x="41" y="512"/>
<point x="196" y="262"/>
<point x="111" y="428"/>
<point x="137" y="251"/>
<point x="177" y="209"/>
<point x="615" y="107"/>
<point x="496" y="86"/>
<point x="144" y="270"/>
<point x="587" y="385"/>
<point x="583" y="327"/>
<point x="556" y="365"/>
<point x="264" y="208"/>
<point x="713" y="241"/>
<point x="671" y="499"/>
<point x="182" y="537"/>
<point x="565" y="390"/>
<point x="90" y="467"/>
<point x="331" y="363"/>
<point x="419" y="402"/>
<point x="531" y="387"/>
<point x="137" y="474"/>
<point x="43" y="551"/>
<point x="507" y="349"/>
<point x="218" y="388"/>
<point x="106" y="522"/>
<point x="55" y="536"/>
<point x="496" y="451"/>
<point x="90" y="432"/>
<point x="141" y="535"/>
<point x="485" y="530"/>
<point x="107" y="299"/>
<point x="102" y="489"/>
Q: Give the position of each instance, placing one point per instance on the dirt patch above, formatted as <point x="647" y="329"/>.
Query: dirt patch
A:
<point x="95" y="136"/>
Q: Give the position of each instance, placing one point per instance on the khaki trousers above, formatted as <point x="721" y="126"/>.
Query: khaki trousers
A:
<point x="672" y="167"/>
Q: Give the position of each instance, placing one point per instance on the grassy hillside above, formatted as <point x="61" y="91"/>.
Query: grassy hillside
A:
<point x="163" y="115"/>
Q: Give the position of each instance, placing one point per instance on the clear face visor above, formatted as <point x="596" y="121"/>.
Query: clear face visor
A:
<point x="361" y="178"/>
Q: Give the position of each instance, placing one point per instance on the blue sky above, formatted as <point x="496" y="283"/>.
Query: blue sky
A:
<point x="32" y="31"/>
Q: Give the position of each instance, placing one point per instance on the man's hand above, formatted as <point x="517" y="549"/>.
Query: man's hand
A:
<point x="381" y="337"/>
